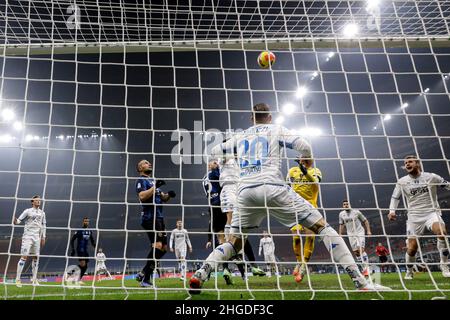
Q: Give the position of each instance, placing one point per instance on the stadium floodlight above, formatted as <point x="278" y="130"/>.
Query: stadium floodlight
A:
<point x="5" y="138"/>
<point x="60" y="137"/>
<point x="314" y="75"/>
<point x="351" y="30"/>
<point x="288" y="109"/>
<point x="310" y="132"/>
<point x="404" y="105"/>
<point x="330" y="55"/>
<point x="279" y="120"/>
<point x="371" y="4"/>
<point x="301" y="91"/>
<point x="36" y="138"/>
<point x="387" y="117"/>
<point x="18" y="126"/>
<point x="8" y="115"/>
<point x="28" y="137"/>
<point x="426" y="90"/>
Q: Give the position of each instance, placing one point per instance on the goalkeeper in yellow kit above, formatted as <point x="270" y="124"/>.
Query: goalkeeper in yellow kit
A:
<point x="304" y="179"/>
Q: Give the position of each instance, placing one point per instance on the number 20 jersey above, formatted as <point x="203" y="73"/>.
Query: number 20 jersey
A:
<point x="260" y="150"/>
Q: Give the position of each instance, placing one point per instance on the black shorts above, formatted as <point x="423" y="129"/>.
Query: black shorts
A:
<point x="159" y="228"/>
<point x="82" y="254"/>
<point x="218" y="219"/>
<point x="383" y="259"/>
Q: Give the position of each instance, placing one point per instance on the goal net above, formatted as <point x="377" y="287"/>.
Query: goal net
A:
<point x="90" y="88"/>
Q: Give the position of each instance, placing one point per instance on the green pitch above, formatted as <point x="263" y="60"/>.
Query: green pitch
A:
<point x="261" y="288"/>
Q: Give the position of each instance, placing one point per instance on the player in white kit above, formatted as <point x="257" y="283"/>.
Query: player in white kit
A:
<point x="101" y="264"/>
<point x="229" y="178"/>
<point x="267" y="247"/>
<point x="262" y="192"/>
<point x="182" y="242"/>
<point x="420" y="192"/>
<point x="32" y="239"/>
<point x="353" y="221"/>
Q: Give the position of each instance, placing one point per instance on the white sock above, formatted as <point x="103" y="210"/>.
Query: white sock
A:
<point x="443" y="251"/>
<point x="34" y="268"/>
<point x="20" y="266"/>
<point x="365" y="260"/>
<point x="224" y="252"/>
<point x="227" y="232"/>
<point x="183" y="269"/>
<point x="410" y="261"/>
<point x="341" y="254"/>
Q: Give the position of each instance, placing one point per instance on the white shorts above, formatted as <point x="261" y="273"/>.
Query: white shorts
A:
<point x="280" y="202"/>
<point x="180" y="253"/>
<point x="101" y="266"/>
<point x="417" y="228"/>
<point x="31" y="246"/>
<point x="228" y="197"/>
<point x="357" y="241"/>
<point x="270" y="258"/>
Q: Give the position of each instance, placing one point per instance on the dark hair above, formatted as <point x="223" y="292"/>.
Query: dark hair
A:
<point x="86" y="218"/>
<point x="34" y="197"/>
<point x="261" y="111"/>
<point x="345" y="200"/>
<point x="411" y="156"/>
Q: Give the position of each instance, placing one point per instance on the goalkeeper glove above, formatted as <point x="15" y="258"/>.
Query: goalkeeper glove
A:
<point x="160" y="183"/>
<point x="302" y="167"/>
<point x="172" y="194"/>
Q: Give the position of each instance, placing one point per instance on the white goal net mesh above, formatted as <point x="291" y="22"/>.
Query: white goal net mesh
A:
<point x="89" y="88"/>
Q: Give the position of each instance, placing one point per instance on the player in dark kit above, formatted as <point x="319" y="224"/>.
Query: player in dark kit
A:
<point x="83" y="237"/>
<point x="218" y="219"/>
<point x="152" y="218"/>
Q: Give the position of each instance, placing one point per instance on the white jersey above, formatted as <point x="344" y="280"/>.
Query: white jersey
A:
<point x="267" y="246"/>
<point x="260" y="150"/>
<point x="353" y="220"/>
<point x="101" y="258"/>
<point x="229" y="172"/>
<point x="181" y="237"/>
<point x="420" y="194"/>
<point x="35" y="223"/>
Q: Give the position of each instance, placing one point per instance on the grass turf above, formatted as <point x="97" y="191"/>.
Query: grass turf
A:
<point x="325" y="287"/>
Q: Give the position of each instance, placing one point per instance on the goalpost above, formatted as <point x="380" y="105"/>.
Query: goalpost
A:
<point x="89" y="88"/>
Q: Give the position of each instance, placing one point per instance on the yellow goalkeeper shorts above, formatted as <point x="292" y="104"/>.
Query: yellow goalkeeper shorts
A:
<point x="298" y="228"/>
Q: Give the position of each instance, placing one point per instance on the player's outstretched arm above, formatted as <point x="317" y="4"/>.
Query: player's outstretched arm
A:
<point x="171" y="241"/>
<point x="92" y="240"/>
<point x="44" y="230"/>
<point x="395" y="200"/>
<point x="72" y="243"/>
<point x="22" y="216"/>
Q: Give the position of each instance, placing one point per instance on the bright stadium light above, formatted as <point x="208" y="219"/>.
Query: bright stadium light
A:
<point x="372" y="4"/>
<point x="60" y="137"/>
<point x="404" y="105"/>
<point x="8" y="115"/>
<point x="301" y="91"/>
<point x="28" y="137"/>
<point x="351" y="30"/>
<point x="314" y="75"/>
<point x="279" y="120"/>
<point x="330" y="55"/>
<point x="427" y="90"/>
<point x="288" y="109"/>
<point x="309" y="132"/>
<point x="387" y="117"/>
<point x="18" y="126"/>
<point x="5" y="138"/>
<point x="36" y="138"/>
